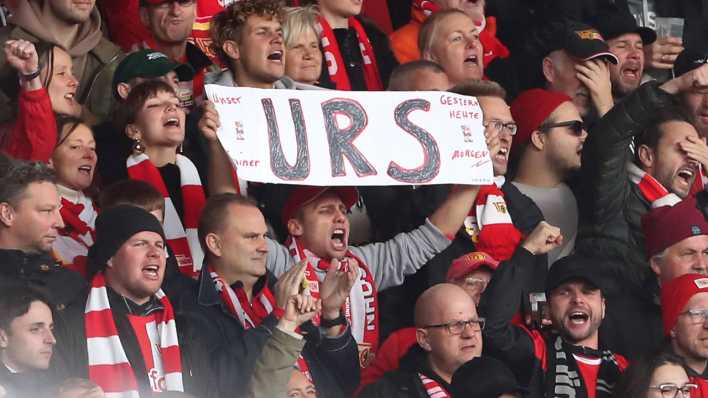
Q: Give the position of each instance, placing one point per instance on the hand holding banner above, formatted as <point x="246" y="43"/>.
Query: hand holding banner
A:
<point x="352" y="138"/>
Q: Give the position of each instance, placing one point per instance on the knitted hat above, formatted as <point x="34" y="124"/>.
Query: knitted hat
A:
<point x="302" y="195"/>
<point x="530" y="109"/>
<point x="676" y="293"/>
<point x="667" y="225"/>
<point x="114" y="226"/>
<point x="470" y="262"/>
<point x="484" y="377"/>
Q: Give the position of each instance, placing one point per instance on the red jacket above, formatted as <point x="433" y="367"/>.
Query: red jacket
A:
<point x="34" y="134"/>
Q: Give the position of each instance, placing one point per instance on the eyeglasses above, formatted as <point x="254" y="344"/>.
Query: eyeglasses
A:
<point x="696" y="316"/>
<point x="499" y="126"/>
<point x="671" y="390"/>
<point x="575" y="126"/>
<point x="457" y="327"/>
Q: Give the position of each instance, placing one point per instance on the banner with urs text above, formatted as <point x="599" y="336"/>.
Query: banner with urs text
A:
<point x="322" y="137"/>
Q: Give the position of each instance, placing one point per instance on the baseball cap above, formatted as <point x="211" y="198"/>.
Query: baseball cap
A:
<point x="581" y="41"/>
<point x="149" y="64"/>
<point x="613" y="22"/>
<point x="667" y="225"/>
<point x="676" y="293"/>
<point x="529" y="109"/>
<point x="572" y="267"/>
<point x="689" y="60"/>
<point x="463" y="265"/>
<point x="302" y="195"/>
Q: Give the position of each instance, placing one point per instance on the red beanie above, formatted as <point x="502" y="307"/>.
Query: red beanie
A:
<point x="530" y="109"/>
<point x="668" y="225"/>
<point x="676" y="293"/>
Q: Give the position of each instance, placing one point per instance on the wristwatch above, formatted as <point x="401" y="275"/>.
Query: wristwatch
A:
<point x="328" y="323"/>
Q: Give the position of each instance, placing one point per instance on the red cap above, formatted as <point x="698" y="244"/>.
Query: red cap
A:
<point x="676" y="293"/>
<point x="470" y="262"/>
<point x="530" y="109"/>
<point x="302" y="195"/>
<point x="667" y="225"/>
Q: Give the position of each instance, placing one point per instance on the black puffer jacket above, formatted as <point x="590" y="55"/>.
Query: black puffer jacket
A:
<point x="611" y="208"/>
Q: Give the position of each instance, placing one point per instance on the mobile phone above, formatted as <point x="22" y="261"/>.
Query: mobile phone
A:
<point x="539" y="309"/>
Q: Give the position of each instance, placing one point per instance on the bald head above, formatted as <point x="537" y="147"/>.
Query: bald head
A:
<point x="440" y="302"/>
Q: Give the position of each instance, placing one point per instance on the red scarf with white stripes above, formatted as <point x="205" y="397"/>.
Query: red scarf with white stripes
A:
<point x="433" y="388"/>
<point x="182" y="237"/>
<point x="250" y="313"/>
<point x="72" y="244"/>
<point x="427" y="6"/>
<point x="335" y="63"/>
<point x="361" y="308"/>
<point x="489" y="223"/>
<point x="651" y="189"/>
<point x="108" y="364"/>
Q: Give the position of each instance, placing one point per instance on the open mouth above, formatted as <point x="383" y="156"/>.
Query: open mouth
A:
<point x="151" y="271"/>
<point x="578" y="317"/>
<point x="472" y="59"/>
<point x="172" y="122"/>
<point x="85" y="169"/>
<point x="502" y="155"/>
<point x="338" y="239"/>
<point x="632" y="72"/>
<point x="276" y="56"/>
<point x="70" y="96"/>
<point x="686" y="174"/>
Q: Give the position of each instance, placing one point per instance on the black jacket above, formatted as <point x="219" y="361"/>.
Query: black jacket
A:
<point x="35" y="384"/>
<point x="351" y="54"/>
<point x="610" y="231"/>
<point x="224" y="355"/>
<point x="71" y="352"/>
<point x="63" y="287"/>
<point x="405" y="382"/>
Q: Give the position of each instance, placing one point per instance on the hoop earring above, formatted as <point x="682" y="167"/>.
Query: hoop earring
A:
<point x="138" y="146"/>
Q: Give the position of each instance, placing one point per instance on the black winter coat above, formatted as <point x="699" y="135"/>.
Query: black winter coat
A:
<point x="611" y="208"/>
<point x="223" y="355"/>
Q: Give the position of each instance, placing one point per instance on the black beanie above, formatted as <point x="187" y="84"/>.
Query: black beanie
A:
<point x="484" y="377"/>
<point x="114" y="226"/>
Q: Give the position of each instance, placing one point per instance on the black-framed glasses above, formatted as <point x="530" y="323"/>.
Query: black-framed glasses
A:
<point x="671" y="390"/>
<point x="575" y="126"/>
<point x="696" y="316"/>
<point x="500" y="126"/>
<point x="457" y="327"/>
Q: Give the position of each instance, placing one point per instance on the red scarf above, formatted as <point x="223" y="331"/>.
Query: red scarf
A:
<point x="427" y="6"/>
<point x="651" y="189"/>
<point x="489" y="223"/>
<point x="108" y="364"/>
<point x="361" y="307"/>
<point x="335" y="64"/>
<point x="432" y="387"/>
<point x="72" y="244"/>
<point x="182" y="238"/>
<point x="250" y="313"/>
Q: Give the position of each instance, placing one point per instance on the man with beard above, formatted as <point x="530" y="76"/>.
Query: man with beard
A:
<point x="626" y="41"/>
<point x="569" y="359"/>
<point x="684" y="308"/>
<point x="546" y="150"/>
<point x="76" y="27"/>
<point x="694" y="101"/>
<point x="620" y="187"/>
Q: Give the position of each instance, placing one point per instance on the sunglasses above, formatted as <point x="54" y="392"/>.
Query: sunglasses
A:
<point x="575" y="126"/>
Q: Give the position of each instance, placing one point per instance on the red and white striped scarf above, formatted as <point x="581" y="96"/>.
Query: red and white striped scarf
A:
<point x="250" y="313"/>
<point x="427" y="6"/>
<point x="183" y="241"/>
<point x="432" y="387"/>
<point x="651" y="189"/>
<point x="361" y="308"/>
<point x="79" y="216"/>
<point x="108" y="364"/>
<point x="489" y="223"/>
<point x="335" y="63"/>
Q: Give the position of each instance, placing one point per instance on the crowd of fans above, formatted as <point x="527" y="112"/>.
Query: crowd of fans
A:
<point x="135" y="261"/>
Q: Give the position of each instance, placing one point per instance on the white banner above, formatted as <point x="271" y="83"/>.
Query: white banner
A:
<point x="319" y="137"/>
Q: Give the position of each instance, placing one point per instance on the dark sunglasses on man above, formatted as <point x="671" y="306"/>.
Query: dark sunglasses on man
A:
<point x="575" y="126"/>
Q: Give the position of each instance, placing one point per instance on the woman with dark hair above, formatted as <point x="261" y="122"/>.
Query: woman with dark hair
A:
<point x="658" y="376"/>
<point x="47" y="87"/>
<point x="74" y="162"/>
